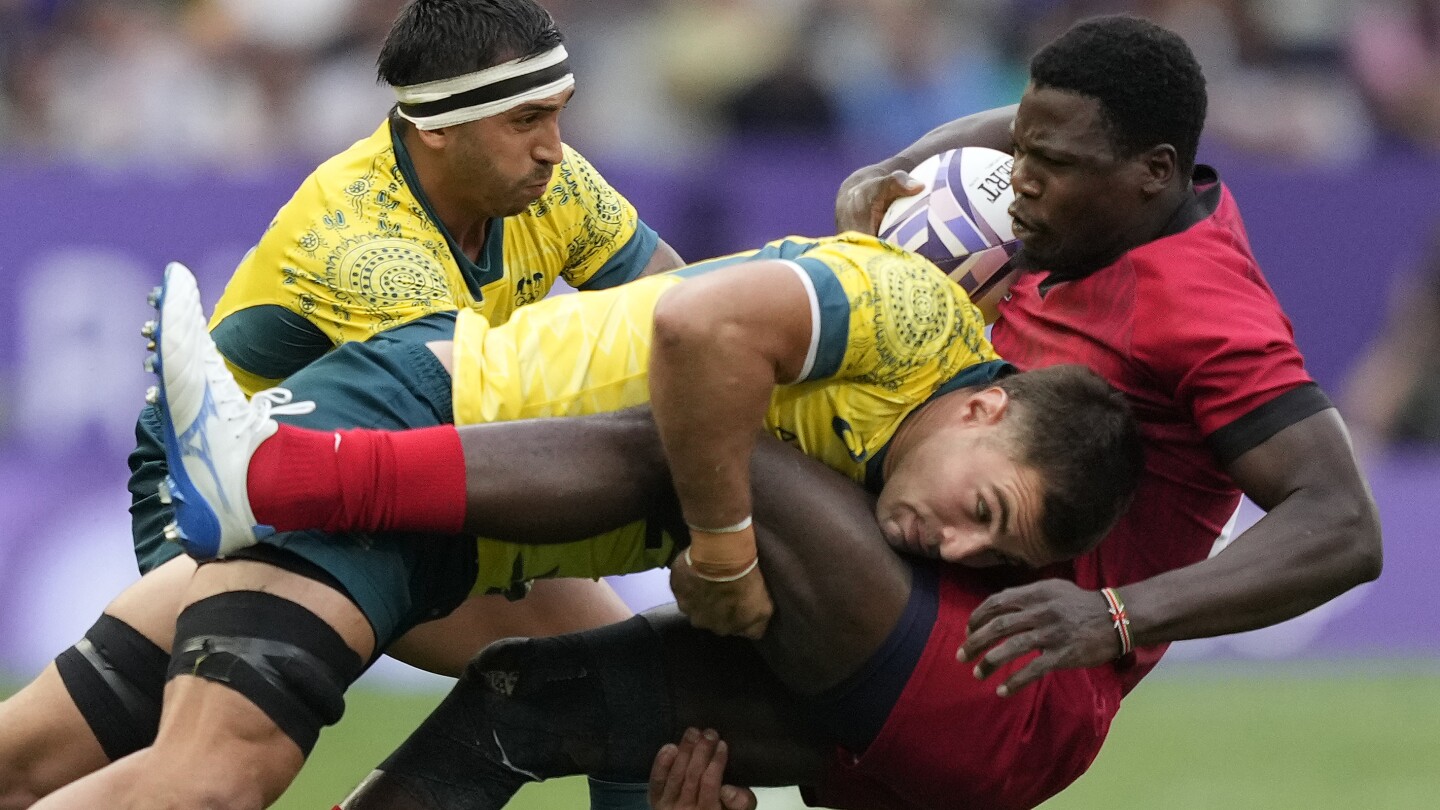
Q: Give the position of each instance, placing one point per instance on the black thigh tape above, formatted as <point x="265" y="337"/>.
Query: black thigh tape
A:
<point x="116" y="677"/>
<point x="284" y="659"/>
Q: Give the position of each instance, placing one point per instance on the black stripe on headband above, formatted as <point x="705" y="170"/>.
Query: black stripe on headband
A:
<point x="488" y="93"/>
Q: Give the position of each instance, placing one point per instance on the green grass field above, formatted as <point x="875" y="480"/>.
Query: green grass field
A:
<point x="1189" y="738"/>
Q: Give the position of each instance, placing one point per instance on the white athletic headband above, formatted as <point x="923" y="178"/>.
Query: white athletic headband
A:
<point x="447" y="102"/>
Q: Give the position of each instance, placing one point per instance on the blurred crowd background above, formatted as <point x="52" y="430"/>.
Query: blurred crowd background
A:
<point x="134" y="132"/>
<point x="243" y="81"/>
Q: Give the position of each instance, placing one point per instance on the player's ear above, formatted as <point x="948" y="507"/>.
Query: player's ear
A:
<point x="986" y="406"/>
<point x="435" y="139"/>
<point x="1160" y="165"/>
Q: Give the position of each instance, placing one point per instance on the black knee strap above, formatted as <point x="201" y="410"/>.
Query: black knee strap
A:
<point x="116" y="677"/>
<point x="284" y="659"/>
<point x="604" y="692"/>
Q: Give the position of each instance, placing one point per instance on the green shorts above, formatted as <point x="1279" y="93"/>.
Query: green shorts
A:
<point x="391" y="381"/>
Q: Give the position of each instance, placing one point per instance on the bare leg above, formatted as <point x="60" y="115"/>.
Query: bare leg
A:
<point x="587" y="476"/>
<point x="596" y="473"/>
<point x="820" y="544"/>
<point x="839" y="591"/>
<point x="838" y="587"/>
<point x="215" y="748"/>
<point x="45" y="742"/>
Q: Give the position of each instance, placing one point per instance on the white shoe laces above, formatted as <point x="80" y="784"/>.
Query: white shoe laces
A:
<point x="238" y="414"/>
<point x="277" y="401"/>
<point x="255" y="413"/>
<point x="247" y="417"/>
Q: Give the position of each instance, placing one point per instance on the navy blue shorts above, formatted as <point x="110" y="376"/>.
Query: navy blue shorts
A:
<point x="392" y="381"/>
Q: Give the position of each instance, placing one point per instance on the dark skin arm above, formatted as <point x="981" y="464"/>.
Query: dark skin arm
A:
<point x="663" y="260"/>
<point x="1319" y="538"/>
<point x="869" y="190"/>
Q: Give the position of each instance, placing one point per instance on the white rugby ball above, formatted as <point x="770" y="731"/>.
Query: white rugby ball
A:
<point x="960" y="221"/>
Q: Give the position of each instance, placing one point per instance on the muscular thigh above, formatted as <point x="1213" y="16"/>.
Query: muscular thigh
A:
<point x="839" y="589"/>
<point x="255" y="673"/>
<point x="46" y="742"/>
<point x="319" y="598"/>
<point x="152" y="603"/>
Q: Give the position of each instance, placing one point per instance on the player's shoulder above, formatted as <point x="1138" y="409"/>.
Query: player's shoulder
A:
<point x="851" y="253"/>
<point x="869" y="271"/>
<point x="361" y="190"/>
<point x="365" y="156"/>
<point x="1200" y="292"/>
<point x="346" y="186"/>
<point x="1209" y="257"/>
<point x="570" y="156"/>
<point x="863" y="250"/>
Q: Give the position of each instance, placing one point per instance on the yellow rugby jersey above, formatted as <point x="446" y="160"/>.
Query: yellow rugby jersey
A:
<point x="358" y="249"/>
<point x="893" y="332"/>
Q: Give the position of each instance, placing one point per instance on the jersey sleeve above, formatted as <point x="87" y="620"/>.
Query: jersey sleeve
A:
<point x="888" y="319"/>
<point x="606" y="243"/>
<point x="1216" y="337"/>
<point x="628" y="262"/>
<point x="265" y="344"/>
<point x="353" y="252"/>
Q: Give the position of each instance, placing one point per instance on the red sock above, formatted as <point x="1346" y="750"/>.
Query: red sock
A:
<point x="360" y="480"/>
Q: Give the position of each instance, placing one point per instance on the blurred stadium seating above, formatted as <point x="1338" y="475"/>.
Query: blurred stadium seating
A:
<point x="133" y="132"/>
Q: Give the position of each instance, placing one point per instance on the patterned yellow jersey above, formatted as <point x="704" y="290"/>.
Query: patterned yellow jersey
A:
<point x="892" y="332"/>
<point x="358" y="249"/>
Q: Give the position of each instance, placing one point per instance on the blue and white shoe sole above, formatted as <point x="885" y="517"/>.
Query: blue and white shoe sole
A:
<point x="196" y="527"/>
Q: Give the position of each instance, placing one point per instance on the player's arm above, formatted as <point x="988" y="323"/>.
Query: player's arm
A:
<point x="1319" y="538"/>
<point x="722" y="342"/>
<point x="1277" y="435"/>
<point x="663" y="260"/>
<point x="869" y="190"/>
<point x="610" y="244"/>
<point x="645" y="254"/>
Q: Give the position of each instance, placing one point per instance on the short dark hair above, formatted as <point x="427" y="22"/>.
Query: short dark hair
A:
<point x="442" y="39"/>
<point x="1080" y="434"/>
<point x="1148" y="82"/>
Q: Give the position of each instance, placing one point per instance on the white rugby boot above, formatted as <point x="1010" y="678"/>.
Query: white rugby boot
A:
<point x="210" y="430"/>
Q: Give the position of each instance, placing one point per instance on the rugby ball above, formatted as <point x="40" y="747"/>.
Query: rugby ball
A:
<point x="960" y="221"/>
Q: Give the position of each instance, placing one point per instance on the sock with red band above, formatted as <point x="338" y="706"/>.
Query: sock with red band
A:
<point x="360" y="480"/>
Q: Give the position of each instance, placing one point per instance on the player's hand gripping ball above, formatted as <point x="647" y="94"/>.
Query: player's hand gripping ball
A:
<point x="961" y="221"/>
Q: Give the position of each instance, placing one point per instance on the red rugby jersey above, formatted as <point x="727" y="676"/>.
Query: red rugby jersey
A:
<point x="1189" y="330"/>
